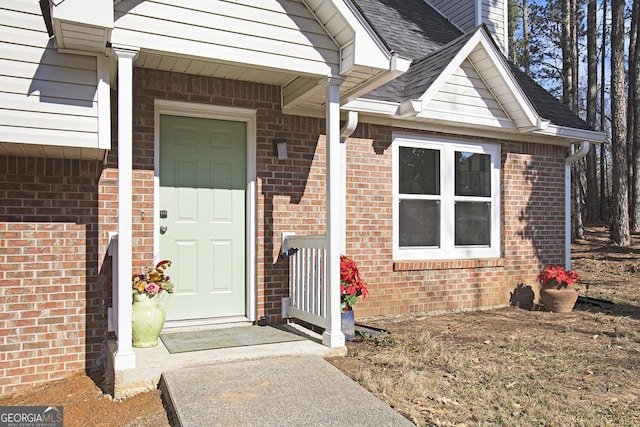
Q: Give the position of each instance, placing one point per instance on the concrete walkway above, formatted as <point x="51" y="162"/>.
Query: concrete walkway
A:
<point x="280" y="391"/>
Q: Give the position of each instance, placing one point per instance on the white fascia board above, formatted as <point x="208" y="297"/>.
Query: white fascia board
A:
<point x="401" y="116"/>
<point x="372" y="106"/>
<point x="503" y="68"/>
<point x="573" y="134"/>
<point x="369" y="51"/>
<point x="398" y="66"/>
<point x="481" y="38"/>
<point x="95" y="13"/>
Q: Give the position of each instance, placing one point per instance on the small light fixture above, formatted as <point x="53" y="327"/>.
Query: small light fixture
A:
<point x="280" y="148"/>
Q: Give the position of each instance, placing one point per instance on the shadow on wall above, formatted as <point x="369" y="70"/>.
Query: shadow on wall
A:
<point x="57" y="201"/>
<point x="544" y="213"/>
<point x="77" y="88"/>
<point x="522" y="297"/>
<point x="291" y="201"/>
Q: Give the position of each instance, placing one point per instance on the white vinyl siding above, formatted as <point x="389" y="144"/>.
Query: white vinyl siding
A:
<point x="46" y="98"/>
<point x="444" y="208"/>
<point x="494" y="15"/>
<point x="264" y="33"/>
<point x="460" y="12"/>
<point x="466" y="98"/>
<point x="465" y="15"/>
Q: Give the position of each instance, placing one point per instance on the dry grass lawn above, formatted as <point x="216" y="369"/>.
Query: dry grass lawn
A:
<point x="514" y="367"/>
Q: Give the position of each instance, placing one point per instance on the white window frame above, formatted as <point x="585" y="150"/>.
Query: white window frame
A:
<point x="447" y="248"/>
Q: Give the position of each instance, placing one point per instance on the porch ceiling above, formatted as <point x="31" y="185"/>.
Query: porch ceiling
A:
<point x="200" y="67"/>
<point x="301" y="94"/>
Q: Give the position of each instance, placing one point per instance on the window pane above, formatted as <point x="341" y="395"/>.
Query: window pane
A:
<point x="419" y="171"/>
<point x="473" y="224"/>
<point x="473" y="174"/>
<point x="419" y="223"/>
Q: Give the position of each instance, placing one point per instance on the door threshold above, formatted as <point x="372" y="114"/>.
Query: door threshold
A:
<point x="210" y="323"/>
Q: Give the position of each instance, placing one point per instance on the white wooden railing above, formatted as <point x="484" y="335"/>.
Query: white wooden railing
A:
<point x="308" y="279"/>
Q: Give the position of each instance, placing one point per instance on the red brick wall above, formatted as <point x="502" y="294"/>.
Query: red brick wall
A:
<point x="291" y="198"/>
<point x="56" y="215"/>
<point x="52" y="292"/>
<point x="290" y="193"/>
<point x="532" y="188"/>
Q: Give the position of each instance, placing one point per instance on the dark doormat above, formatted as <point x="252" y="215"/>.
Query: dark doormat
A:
<point x="209" y="339"/>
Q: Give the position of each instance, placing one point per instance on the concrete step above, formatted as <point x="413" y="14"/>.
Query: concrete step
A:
<point x="279" y="391"/>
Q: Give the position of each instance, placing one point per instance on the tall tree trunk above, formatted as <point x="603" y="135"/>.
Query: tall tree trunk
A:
<point x="569" y="97"/>
<point x="593" y="210"/>
<point x="511" y="29"/>
<point x="567" y="55"/>
<point x="603" y="164"/>
<point x="573" y="21"/>
<point x="526" y="59"/>
<point x="632" y="121"/>
<point x="620" y="234"/>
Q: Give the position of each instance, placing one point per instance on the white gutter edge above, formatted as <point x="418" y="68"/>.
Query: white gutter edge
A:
<point x="578" y="155"/>
<point x="592" y="136"/>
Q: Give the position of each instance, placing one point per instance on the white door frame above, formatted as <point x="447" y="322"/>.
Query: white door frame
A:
<point x="218" y="112"/>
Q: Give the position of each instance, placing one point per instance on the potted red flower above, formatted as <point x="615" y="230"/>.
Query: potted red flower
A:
<point x="558" y="293"/>
<point x="351" y="287"/>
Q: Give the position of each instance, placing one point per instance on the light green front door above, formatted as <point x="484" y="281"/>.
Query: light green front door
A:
<point x="202" y="220"/>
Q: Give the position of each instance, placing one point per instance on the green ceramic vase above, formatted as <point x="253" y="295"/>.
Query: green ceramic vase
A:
<point x="147" y="320"/>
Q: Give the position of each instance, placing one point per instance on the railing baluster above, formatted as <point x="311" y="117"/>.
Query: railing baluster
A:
<point x="307" y="278"/>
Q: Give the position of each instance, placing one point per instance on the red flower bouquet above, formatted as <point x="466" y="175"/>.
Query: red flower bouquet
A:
<point x="351" y="284"/>
<point x="557" y="277"/>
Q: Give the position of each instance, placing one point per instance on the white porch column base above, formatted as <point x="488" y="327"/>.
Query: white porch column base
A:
<point x="333" y="340"/>
<point x="333" y="336"/>
<point x="124" y="357"/>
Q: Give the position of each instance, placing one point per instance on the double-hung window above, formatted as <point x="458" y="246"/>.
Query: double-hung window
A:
<point x="446" y="199"/>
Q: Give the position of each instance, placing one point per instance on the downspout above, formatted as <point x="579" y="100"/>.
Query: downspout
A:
<point x="350" y="126"/>
<point x="346" y="131"/>
<point x="583" y="149"/>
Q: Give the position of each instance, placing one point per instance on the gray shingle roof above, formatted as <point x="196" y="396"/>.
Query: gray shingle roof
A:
<point x="414" y="29"/>
<point x="409" y="27"/>
<point x="421" y="74"/>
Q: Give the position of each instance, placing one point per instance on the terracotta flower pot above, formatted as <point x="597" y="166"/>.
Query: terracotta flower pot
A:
<point x="558" y="300"/>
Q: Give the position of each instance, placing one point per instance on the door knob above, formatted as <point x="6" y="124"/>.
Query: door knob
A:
<point x="163" y="229"/>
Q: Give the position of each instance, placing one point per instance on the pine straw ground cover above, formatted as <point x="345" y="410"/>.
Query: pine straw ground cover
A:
<point x="506" y="367"/>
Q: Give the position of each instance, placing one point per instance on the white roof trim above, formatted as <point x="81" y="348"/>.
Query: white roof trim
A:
<point x="482" y="38"/>
<point x="591" y="136"/>
<point x="372" y="106"/>
<point x="406" y="114"/>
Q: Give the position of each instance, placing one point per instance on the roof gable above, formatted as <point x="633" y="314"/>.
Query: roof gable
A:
<point x="465" y="97"/>
<point x="479" y="65"/>
<point x="467" y="81"/>
<point x="442" y="54"/>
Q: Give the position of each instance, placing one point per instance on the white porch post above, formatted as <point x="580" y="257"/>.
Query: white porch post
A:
<point x="124" y="357"/>
<point x="333" y="336"/>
